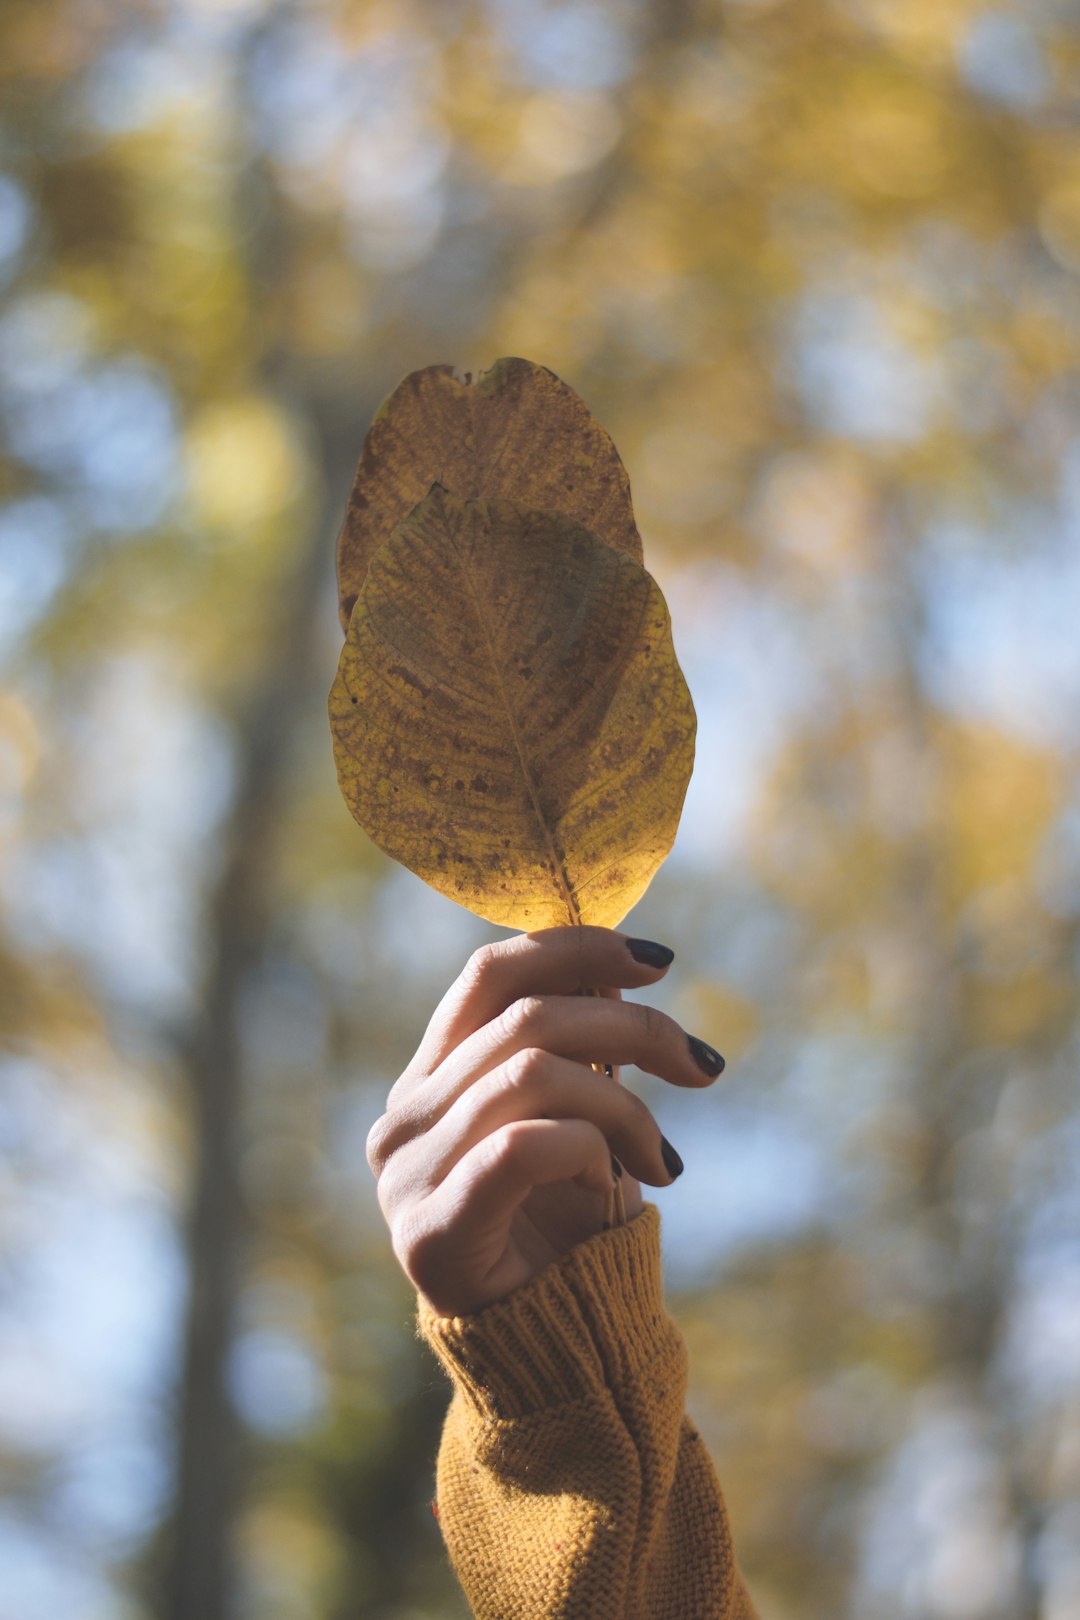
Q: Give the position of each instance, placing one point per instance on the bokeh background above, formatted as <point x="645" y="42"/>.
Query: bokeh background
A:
<point x="814" y="263"/>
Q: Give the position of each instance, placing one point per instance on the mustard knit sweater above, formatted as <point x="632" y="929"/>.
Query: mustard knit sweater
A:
<point x="570" y="1484"/>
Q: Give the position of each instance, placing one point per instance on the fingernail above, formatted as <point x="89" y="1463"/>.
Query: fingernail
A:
<point x="672" y="1163"/>
<point x="616" y="1168"/>
<point x="650" y="953"/>
<point x="609" y="1071"/>
<point x="707" y="1058"/>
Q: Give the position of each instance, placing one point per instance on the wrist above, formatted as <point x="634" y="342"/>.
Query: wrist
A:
<point x="593" y="1319"/>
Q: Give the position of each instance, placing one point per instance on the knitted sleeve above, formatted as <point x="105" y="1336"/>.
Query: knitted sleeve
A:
<point x="570" y="1484"/>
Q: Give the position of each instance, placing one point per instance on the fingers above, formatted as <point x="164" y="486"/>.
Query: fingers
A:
<point x="584" y="1029"/>
<point x="554" y="961"/>
<point x="532" y="1085"/>
<point x="495" y="1151"/>
<point x="594" y="1030"/>
<point x="453" y="1243"/>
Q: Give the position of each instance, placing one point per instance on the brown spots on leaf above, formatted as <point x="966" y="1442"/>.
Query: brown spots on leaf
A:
<point x="483" y="438"/>
<point x="533" y="812"/>
<point x="401" y="672"/>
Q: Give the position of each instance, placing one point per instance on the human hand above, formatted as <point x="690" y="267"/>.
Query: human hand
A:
<point x="495" y="1153"/>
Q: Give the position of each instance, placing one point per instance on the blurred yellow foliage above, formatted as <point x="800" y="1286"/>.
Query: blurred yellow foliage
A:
<point x="244" y="466"/>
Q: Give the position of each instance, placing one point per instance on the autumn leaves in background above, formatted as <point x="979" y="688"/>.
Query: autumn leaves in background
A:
<point x="508" y="717"/>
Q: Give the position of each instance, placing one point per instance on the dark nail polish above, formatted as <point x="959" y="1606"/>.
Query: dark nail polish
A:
<point x="650" y="953"/>
<point x="672" y="1163"/>
<point x="616" y="1168"/>
<point x="609" y="1071"/>
<point x="706" y="1057"/>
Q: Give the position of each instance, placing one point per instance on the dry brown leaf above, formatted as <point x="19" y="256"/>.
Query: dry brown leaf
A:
<point x="517" y="433"/>
<point x="509" y="718"/>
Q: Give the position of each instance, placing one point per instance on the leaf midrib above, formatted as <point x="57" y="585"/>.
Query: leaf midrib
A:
<point x="481" y="619"/>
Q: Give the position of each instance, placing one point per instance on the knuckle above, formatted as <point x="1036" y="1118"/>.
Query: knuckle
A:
<point x="404" y="1184"/>
<point x="506" y="1146"/>
<point x="521" y="1016"/>
<point x="419" y="1248"/>
<point x="395" y="1130"/>
<point x="388" y="1191"/>
<point x="655" y="1025"/>
<point x="377" y="1147"/>
<point x="478" y="969"/>
<point x="526" y="1069"/>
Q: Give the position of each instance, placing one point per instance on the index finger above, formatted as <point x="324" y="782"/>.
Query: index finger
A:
<point x="553" y="961"/>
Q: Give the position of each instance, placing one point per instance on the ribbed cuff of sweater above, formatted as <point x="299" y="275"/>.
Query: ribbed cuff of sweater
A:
<point x="591" y="1319"/>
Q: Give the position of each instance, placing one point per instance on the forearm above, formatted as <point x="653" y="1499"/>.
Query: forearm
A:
<point x="570" y="1484"/>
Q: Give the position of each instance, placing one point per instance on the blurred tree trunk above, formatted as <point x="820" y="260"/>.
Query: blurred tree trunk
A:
<point x="198" y="1577"/>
